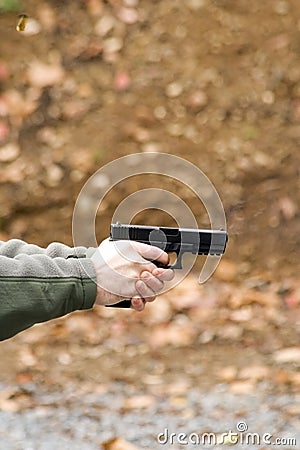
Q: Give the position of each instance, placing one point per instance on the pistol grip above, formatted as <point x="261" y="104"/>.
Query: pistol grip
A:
<point x="121" y="304"/>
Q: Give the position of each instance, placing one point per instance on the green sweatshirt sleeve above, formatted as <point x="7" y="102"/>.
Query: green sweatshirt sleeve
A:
<point x="39" y="284"/>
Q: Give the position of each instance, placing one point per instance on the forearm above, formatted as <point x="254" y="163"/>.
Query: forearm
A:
<point x="36" y="287"/>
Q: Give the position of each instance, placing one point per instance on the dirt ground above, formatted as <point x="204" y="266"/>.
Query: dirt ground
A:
<point x="214" y="82"/>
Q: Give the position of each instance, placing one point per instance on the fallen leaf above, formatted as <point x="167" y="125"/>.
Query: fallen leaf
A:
<point x="137" y="133"/>
<point x="197" y="297"/>
<point x="231" y="331"/>
<point x="47" y="17"/>
<point x="24" y="377"/>
<point x="94" y="7"/>
<point x="9" y="152"/>
<point x="41" y="75"/>
<point x="288" y="207"/>
<point x="178" y="335"/>
<point x="27" y="357"/>
<point x="292" y="410"/>
<point x="18" y="106"/>
<point x="226" y="270"/>
<point x="4" y="131"/>
<point x="292" y="300"/>
<point x="254" y="373"/>
<point x="241" y="315"/>
<point x="287" y="355"/>
<point x="295" y="378"/>
<point x="112" y="45"/>
<point x="74" y="109"/>
<point x="283" y="376"/>
<point x="118" y="444"/>
<point x="228" y="373"/>
<point x="244" y="297"/>
<point x="177" y="387"/>
<point x="122" y="81"/>
<point x="105" y="25"/>
<point x="14" y="400"/>
<point x="138" y="402"/>
<point x="174" y="89"/>
<point x="242" y="387"/>
<point x="178" y="401"/>
<point x="127" y="15"/>
<point x="4" y="72"/>
<point x="197" y="100"/>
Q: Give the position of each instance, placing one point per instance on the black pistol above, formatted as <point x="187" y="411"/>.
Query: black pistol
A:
<point x="171" y="240"/>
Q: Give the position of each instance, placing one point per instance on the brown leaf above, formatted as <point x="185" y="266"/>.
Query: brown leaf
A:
<point x="288" y="207"/>
<point x="283" y="376"/>
<point x="242" y="387"/>
<point x="226" y="270"/>
<point x="295" y="378"/>
<point x="27" y="357"/>
<point x="4" y="72"/>
<point x="23" y="377"/>
<point x="9" y="152"/>
<point x="74" y="109"/>
<point x="247" y="297"/>
<point x="178" y="387"/>
<point x="196" y="295"/>
<point x="94" y="7"/>
<point x="254" y="373"/>
<point x="292" y="299"/>
<point x="179" y="335"/>
<point x="138" y="402"/>
<point x="135" y="132"/>
<point x="230" y="331"/>
<point x="228" y="373"/>
<point x="47" y="17"/>
<point x="197" y="100"/>
<point x="292" y="410"/>
<point x="118" y="444"/>
<point x="105" y="24"/>
<point x="4" y="131"/>
<point x="127" y="15"/>
<point x="122" y="81"/>
<point x="241" y="315"/>
<point x="14" y="400"/>
<point x="17" y="105"/>
<point x="287" y="355"/>
<point x="41" y="75"/>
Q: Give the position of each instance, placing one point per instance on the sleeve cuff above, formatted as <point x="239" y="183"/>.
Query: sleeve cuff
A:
<point x="89" y="282"/>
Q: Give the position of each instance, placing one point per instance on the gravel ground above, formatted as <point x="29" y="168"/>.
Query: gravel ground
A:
<point x="66" y="420"/>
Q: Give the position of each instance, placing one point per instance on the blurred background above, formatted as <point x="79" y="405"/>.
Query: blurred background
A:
<point x="217" y="83"/>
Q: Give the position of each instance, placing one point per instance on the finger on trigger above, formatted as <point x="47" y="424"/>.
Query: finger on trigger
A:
<point x="151" y="252"/>
<point x="163" y="258"/>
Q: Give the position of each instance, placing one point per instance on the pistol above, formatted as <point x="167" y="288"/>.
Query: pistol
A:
<point x="171" y="240"/>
